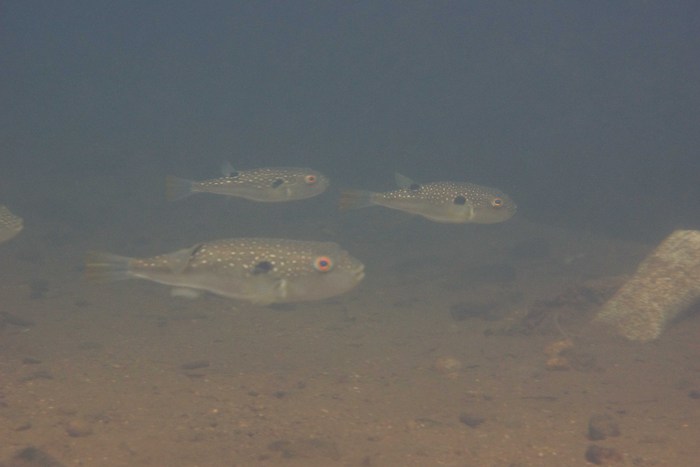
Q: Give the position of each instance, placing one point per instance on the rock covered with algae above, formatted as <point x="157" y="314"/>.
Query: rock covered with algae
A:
<point x="665" y="284"/>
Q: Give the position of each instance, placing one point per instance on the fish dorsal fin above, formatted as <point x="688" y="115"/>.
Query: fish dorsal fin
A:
<point x="403" y="181"/>
<point x="227" y="169"/>
<point x="180" y="259"/>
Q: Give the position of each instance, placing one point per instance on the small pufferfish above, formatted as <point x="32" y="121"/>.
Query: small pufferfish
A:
<point x="267" y="184"/>
<point x="446" y="202"/>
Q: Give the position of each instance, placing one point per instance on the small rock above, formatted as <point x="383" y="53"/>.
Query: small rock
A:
<point x="24" y="426"/>
<point x="195" y="365"/>
<point x="305" y="448"/>
<point x="33" y="457"/>
<point x="78" y="428"/>
<point x="472" y="421"/>
<point x="601" y="427"/>
<point x="557" y="353"/>
<point x="600" y="455"/>
<point x="39" y="374"/>
<point x="558" y="363"/>
<point x="447" y="365"/>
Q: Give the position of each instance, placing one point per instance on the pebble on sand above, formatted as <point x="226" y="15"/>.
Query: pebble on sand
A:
<point x="602" y="426"/>
<point x="447" y="365"/>
<point x="78" y="428"/>
<point x="600" y="455"/>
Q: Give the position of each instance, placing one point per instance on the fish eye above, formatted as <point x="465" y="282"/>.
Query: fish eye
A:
<point x="323" y="264"/>
<point x="497" y="203"/>
<point x="262" y="267"/>
<point x="277" y="182"/>
<point x="310" y="179"/>
<point x="460" y="200"/>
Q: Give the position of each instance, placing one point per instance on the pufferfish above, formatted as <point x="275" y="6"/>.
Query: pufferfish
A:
<point x="267" y="184"/>
<point x="446" y="202"/>
<point x="259" y="270"/>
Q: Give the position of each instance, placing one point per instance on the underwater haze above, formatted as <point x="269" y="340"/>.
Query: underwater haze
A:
<point x="586" y="112"/>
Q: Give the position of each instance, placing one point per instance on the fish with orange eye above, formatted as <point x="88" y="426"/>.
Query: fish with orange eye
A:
<point x="258" y="270"/>
<point x="267" y="184"/>
<point x="447" y="202"/>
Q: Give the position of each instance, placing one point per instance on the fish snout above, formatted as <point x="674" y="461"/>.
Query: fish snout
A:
<point x="359" y="273"/>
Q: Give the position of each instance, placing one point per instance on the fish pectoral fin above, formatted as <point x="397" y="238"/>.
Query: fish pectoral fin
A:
<point x="280" y="288"/>
<point x="271" y="292"/>
<point x="288" y="193"/>
<point x="470" y="211"/>
<point x="402" y="181"/>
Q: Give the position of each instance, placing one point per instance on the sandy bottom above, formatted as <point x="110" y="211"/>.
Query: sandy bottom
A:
<point x="432" y="360"/>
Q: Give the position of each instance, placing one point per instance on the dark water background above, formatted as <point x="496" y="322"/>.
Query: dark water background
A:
<point x="587" y="113"/>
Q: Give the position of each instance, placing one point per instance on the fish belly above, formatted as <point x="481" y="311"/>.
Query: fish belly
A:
<point x="260" y="291"/>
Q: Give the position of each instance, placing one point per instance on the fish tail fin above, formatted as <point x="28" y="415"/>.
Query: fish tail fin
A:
<point x="354" y="199"/>
<point x="106" y="267"/>
<point x="177" y="188"/>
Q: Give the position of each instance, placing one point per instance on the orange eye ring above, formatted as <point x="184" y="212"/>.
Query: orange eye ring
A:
<point x="310" y="179"/>
<point x="323" y="264"/>
<point x="497" y="203"/>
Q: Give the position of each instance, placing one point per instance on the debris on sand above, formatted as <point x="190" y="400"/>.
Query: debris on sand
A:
<point x="665" y="284"/>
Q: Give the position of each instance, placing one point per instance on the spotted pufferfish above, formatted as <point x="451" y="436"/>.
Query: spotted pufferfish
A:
<point x="446" y="202"/>
<point x="267" y="184"/>
<point x="258" y="270"/>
